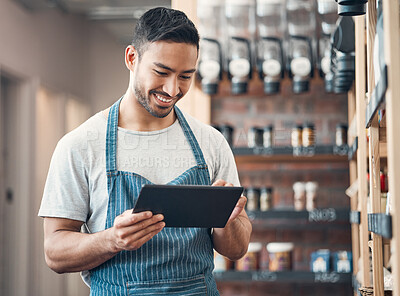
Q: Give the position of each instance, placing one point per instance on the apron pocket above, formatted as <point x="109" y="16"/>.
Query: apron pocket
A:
<point x="184" y="286"/>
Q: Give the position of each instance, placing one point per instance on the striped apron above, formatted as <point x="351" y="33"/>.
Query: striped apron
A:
<point x="177" y="261"/>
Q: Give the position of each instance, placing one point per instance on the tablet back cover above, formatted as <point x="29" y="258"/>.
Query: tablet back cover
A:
<point x="189" y="205"/>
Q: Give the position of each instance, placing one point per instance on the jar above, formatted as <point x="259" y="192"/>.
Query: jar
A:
<point x="255" y="137"/>
<point x="311" y="194"/>
<point x="221" y="263"/>
<point x="299" y="196"/>
<point x="268" y="136"/>
<point x="250" y="261"/>
<point x="227" y="132"/>
<point x="308" y="135"/>
<point x="280" y="256"/>
<point x="341" y="134"/>
<point x="253" y="199"/>
<point x="265" y="198"/>
<point x="296" y="136"/>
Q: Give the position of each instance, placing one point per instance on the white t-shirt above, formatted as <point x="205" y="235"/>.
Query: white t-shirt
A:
<point x="76" y="186"/>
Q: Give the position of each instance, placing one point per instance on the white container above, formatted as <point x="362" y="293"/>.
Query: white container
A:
<point x="280" y="256"/>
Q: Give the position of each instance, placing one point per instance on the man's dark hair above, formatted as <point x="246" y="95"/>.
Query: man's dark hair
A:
<point x="164" y="24"/>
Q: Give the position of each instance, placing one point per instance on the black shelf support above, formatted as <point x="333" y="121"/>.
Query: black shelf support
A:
<point x="380" y="224"/>
<point x="290" y="151"/>
<point x="301" y="277"/>
<point x="353" y="149"/>
<point x="377" y="100"/>
<point x="355" y="217"/>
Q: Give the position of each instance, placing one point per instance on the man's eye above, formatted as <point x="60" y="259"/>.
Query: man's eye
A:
<point x="185" y="77"/>
<point x="160" y="73"/>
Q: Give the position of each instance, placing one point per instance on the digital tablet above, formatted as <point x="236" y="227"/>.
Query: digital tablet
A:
<point x="189" y="205"/>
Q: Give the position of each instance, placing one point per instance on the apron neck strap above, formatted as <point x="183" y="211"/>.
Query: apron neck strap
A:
<point x="111" y="137"/>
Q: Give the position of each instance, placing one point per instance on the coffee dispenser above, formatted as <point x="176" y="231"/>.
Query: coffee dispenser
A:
<point x="343" y="55"/>
<point x="351" y="7"/>
<point x="301" y="30"/>
<point x="270" y="22"/>
<point x="240" y="18"/>
<point x="327" y="11"/>
<point x="211" y="16"/>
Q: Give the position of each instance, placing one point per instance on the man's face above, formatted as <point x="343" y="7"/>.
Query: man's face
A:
<point x="163" y="75"/>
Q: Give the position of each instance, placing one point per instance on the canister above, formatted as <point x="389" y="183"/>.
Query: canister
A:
<point x="296" y="136"/>
<point x="268" y="136"/>
<point x="265" y="198"/>
<point x="253" y="198"/>
<point x="250" y="261"/>
<point x="255" y="137"/>
<point x="341" y="134"/>
<point x="280" y="256"/>
<point x="308" y="135"/>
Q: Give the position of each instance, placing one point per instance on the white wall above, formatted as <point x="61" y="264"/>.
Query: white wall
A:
<point x="76" y="59"/>
<point x="65" y="52"/>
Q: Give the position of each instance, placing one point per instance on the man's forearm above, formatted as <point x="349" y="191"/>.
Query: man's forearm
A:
<point x="233" y="240"/>
<point x="69" y="251"/>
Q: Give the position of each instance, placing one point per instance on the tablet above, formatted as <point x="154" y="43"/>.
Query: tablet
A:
<point x="189" y="205"/>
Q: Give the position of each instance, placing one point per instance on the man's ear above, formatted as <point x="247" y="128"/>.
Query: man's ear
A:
<point x="131" y="56"/>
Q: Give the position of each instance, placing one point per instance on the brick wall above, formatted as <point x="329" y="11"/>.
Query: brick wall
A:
<point x="284" y="111"/>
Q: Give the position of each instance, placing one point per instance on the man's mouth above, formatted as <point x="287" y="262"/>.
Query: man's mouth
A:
<point x="163" y="99"/>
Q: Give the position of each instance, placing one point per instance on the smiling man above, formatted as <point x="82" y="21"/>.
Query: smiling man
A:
<point x="94" y="182"/>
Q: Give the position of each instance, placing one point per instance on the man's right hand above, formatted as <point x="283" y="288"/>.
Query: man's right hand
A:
<point x="131" y="231"/>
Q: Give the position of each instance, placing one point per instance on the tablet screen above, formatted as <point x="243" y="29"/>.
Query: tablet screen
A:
<point x="189" y="205"/>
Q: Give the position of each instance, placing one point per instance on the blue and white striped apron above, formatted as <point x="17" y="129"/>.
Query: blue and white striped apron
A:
<point x="177" y="261"/>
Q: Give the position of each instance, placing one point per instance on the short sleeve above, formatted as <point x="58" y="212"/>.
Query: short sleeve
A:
<point x="225" y="165"/>
<point x="66" y="190"/>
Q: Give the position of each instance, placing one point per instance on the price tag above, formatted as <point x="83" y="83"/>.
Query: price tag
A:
<point x="324" y="277"/>
<point x="264" y="276"/>
<point x="322" y="215"/>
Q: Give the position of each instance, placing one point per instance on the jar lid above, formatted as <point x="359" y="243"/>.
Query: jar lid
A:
<point x="226" y="127"/>
<point x="256" y="128"/>
<point x="311" y="186"/>
<point x="299" y="186"/>
<point x="267" y="189"/>
<point x="341" y="125"/>
<point x="252" y="189"/>
<point x="254" y="247"/>
<point x="279" y="247"/>
<point x="268" y="127"/>
<point x="298" y="126"/>
<point x="308" y="125"/>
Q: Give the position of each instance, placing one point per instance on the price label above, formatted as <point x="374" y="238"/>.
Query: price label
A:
<point x="323" y="277"/>
<point x="264" y="276"/>
<point x="322" y="215"/>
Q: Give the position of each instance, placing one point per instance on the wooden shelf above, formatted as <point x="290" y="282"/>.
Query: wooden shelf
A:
<point x="325" y="153"/>
<point x="377" y="100"/>
<point x="300" y="277"/>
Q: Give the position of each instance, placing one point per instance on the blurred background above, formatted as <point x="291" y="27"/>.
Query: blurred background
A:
<point x="269" y="67"/>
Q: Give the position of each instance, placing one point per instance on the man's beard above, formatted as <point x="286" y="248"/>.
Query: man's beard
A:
<point x="144" y="100"/>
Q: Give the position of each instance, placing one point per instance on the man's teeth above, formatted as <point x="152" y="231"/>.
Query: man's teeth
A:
<point x="163" y="100"/>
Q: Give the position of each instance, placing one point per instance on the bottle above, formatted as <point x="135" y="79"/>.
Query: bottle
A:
<point x="253" y="199"/>
<point x="265" y="198"/>
<point x="268" y="136"/>
<point x="296" y="136"/>
<point x="308" y="135"/>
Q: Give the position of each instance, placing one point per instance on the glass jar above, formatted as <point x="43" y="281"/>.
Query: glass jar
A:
<point x="341" y="134"/>
<point x="296" y="136"/>
<point x="265" y="198"/>
<point x="308" y="135"/>
<point x="227" y="132"/>
<point x="255" y="137"/>
<point x="253" y="199"/>
<point x="268" y="136"/>
<point x="299" y="189"/>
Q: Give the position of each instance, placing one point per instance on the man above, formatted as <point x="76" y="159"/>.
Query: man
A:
<point x="147" y="140"/>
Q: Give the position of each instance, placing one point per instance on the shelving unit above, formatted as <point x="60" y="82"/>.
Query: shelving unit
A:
<point x="382" y="147"/>
<point x="299" y="277"/>
<point x="249" y="159"/>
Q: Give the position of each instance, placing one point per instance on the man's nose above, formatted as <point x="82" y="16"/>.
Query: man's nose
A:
<point x="171" y="86"/>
